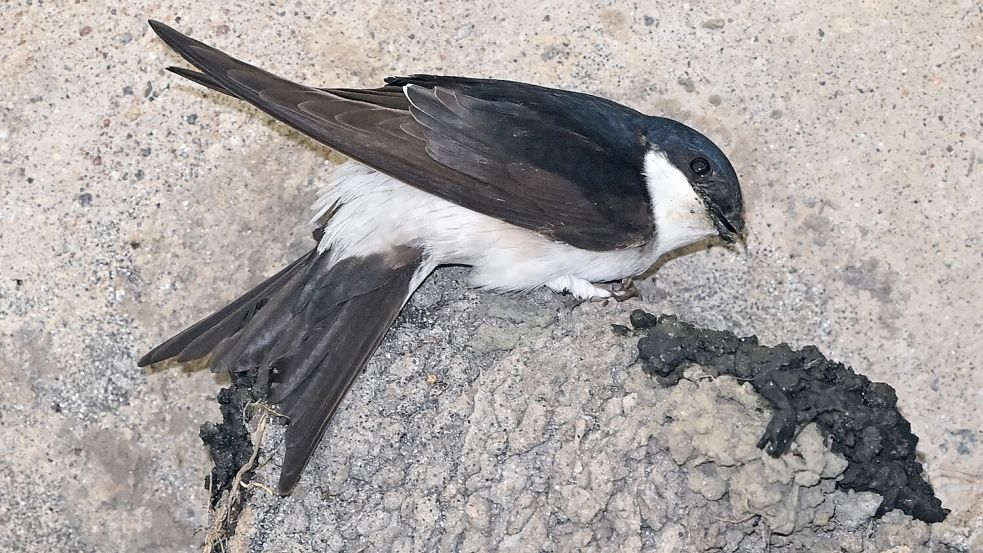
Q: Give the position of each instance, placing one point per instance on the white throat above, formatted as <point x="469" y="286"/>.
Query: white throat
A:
<point x="680" y="216"/>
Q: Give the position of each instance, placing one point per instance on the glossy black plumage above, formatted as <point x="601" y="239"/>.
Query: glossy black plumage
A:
<point x="563" y="164"/>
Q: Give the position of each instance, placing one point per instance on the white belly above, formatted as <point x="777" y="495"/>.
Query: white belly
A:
<point x="371" y="212"/>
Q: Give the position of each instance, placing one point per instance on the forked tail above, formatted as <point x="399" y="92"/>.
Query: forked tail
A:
<point x="309" y="329"/>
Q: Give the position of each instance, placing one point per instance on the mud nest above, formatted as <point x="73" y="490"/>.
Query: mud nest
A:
<point x="858" y="417"/>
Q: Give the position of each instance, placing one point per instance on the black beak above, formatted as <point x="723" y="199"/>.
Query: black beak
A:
<point x="729" y="228"/>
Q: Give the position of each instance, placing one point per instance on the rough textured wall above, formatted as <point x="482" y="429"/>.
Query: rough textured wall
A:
<point x="131" y="203"/>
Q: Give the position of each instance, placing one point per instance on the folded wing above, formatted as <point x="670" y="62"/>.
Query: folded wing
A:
<point x="562" y="164"/>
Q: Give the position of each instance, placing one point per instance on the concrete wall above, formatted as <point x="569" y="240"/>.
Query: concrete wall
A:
<point x="132" y="202"/>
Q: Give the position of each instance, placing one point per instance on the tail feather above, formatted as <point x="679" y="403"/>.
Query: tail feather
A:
<point x="248" y="349"/>
<point x="309" y="329"/>
<point x="312" y="400"/>
<point x="199" y="339"/>
<point x="211" y="340"/>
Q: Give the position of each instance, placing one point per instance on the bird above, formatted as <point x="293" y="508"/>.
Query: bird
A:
<point x="529" y="186"/>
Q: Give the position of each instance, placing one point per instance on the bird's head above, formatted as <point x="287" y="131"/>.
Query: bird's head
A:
<point x="694" y="188"/>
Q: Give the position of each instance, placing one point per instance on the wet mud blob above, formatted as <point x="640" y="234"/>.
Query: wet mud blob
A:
<point x="230" y="446"/>
<point x="858" y="417"/>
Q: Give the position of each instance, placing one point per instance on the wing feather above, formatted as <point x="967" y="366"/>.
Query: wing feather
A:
<point x="562" y="164"/>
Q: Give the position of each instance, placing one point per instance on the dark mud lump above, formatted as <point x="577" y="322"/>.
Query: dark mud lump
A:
<point x="859" y="417"/>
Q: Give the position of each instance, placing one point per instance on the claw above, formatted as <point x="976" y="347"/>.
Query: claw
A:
<point x="628" y="290"/>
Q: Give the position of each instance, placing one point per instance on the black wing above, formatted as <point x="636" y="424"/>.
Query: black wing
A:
<point x="563" y="164"/>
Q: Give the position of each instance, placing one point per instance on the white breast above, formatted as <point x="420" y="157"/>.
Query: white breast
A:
<point x="371" y="211"/>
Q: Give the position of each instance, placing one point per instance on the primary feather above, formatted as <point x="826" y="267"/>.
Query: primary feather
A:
<point x="484" y="144"/>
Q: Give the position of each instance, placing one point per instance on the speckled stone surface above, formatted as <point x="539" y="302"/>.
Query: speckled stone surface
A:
<point x="131" y="203"/>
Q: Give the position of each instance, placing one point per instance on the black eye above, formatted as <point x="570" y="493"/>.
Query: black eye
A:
<point x="700" y="166"/>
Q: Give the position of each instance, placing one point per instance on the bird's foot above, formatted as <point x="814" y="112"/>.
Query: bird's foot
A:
<point x="579" y="288"/>
<point x="627" y="291"/>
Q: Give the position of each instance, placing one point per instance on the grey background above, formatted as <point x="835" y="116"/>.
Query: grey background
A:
<point x="132" y="203"/>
